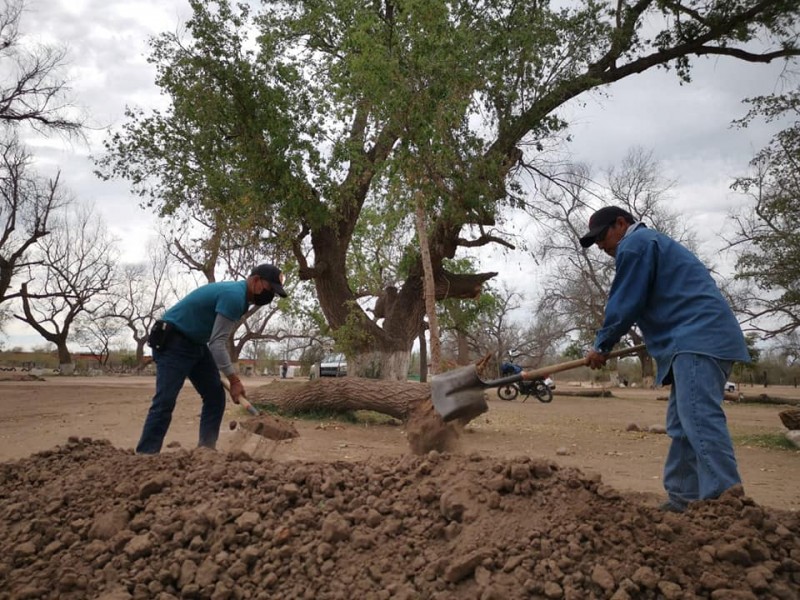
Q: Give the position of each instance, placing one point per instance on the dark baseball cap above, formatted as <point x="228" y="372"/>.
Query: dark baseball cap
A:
<point x="600" y="220"/>
<point x="272" y="274"/>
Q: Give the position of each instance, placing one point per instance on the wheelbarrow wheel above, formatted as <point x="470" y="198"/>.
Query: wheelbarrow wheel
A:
<point x="543" y="391"/>
<point x="508" y="392"/>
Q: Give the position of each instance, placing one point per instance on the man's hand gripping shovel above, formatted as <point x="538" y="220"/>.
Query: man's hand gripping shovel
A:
<point x="239" y="396"/>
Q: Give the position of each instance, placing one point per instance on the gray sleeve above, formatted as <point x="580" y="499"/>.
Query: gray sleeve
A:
<point x="218" y="343"/>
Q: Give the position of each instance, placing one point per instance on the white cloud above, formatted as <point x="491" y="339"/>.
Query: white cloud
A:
<point x="107" y="46"/>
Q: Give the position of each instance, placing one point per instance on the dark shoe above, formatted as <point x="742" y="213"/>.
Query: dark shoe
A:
<point x="670" y="507"/>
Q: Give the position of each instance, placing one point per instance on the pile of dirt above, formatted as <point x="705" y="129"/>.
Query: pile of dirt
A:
<point x="87" y="520"/>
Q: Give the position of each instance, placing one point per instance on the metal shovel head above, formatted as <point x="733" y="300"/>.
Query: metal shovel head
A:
<point x="458" y="394"/>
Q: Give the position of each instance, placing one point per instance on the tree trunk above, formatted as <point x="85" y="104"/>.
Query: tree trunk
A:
<point x="645" y="360"/>
<point x="395" y="365"/>
<point x="463" y="348"/>
<point x="65" y="365"/>
<point x="392" y="365"/>
<point x="423" y="357"/>
<point x="397" y="324"/>
<point x="429" y="287"/>
<point x="140" y="353"/>
<point x="407" y="401"/>
<point x="394" y="398"/>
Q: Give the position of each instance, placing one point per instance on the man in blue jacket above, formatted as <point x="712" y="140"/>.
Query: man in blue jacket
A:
<point x="692" y="334"/>
<point x="190" y="341"/>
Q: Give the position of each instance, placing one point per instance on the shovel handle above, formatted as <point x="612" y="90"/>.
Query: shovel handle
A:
<point x="566" y="366"/>
<point x="580" y="362"/>
<point x="243" y="401"/>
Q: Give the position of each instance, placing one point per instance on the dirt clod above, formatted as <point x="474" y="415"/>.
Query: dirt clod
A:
<point x="212" y="525"/>
<point x="270" y="427"/>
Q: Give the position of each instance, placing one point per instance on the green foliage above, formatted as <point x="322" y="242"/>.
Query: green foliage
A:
<point x="770" y="441"/>
<point x="224" y="142"/>
<point x="755" y="353"/>
<point x="352" y="337"/>
<point x="574" y="351"/>
<point x="322" y="123"/>
<point x="352" y="417"/>
<point x="461" y="315"/>
<point x="378" y="254"/>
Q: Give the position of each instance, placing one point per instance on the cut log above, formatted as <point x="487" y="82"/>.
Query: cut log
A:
<point x="765" y="399"/>
<point x="584" y="393"/>
<point x="408" y="401"/>
<point x="394" y="398"/>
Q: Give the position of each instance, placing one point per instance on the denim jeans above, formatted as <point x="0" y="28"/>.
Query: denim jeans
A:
<point x="177" y="361"/>
<point x="700" y="463"/>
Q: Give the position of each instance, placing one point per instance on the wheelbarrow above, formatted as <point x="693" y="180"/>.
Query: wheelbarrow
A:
<point x="460" y="393"/>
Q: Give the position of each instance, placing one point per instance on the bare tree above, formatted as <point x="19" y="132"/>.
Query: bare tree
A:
<point x="139" y="296"/>
<point x="205" y="241"/>
<point x="33" y="90"/>
<point x="98" y="334"/>
<point x="506" y="330"/>
<point x="639" y="185"/>
<point x="27" y="203"/>
<point x="581" y="279"/>
<point x="766" y="232"/>
<point x="495" y="330"/>
<point x="77" y="264"/>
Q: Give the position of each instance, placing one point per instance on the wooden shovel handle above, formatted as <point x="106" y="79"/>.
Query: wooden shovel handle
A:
<point x="574" y="364"/>
<point x="243" y="401"/>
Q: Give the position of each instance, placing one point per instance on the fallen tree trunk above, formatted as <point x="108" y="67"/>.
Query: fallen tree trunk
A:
<point x="586" y="393"/>
<point x="394" y="398"/>
<point x="408" y="401"/>
<point x="761" y="399"/>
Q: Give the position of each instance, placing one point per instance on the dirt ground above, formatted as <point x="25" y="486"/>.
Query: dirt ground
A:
<point x="543" y="501"/>
<point x="586" y="433"/>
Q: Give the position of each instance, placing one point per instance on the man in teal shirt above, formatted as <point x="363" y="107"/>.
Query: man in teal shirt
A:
<point x="694" y="337"/>
<point x="190" y="341"/>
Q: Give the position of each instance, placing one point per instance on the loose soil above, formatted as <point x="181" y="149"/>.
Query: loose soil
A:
<point x="534" y="500"/>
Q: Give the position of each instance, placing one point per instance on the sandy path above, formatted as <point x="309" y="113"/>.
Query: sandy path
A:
<point x="37" y="415"/>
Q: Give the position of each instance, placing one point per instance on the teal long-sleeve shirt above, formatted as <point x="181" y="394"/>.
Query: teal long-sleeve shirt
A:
<point x="208" y="315"/>
<point x="668" y="292"/>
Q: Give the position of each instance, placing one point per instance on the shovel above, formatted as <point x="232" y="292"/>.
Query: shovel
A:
<point x="460" y="392"/>
<point x="243" y="401"/>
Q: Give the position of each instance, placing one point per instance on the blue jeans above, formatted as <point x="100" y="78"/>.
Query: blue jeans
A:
<point x="700" y="463"/>
<point x="177" y="361"/>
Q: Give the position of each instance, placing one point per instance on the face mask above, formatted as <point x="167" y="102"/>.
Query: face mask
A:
<point x="264" y="297"/>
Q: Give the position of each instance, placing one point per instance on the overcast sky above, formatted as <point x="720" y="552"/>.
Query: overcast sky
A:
<point x="687" y="127"/>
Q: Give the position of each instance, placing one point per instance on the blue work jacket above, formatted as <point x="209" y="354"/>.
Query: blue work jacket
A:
<point x="668" y="292"/>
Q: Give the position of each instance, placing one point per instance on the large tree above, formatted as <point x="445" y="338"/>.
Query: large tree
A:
<point x="346" y="108"/>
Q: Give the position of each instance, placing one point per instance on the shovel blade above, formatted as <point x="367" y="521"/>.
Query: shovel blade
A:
<point x="458" y="394"/>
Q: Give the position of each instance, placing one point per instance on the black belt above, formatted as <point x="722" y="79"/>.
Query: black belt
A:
<point x="164" y="331"/>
